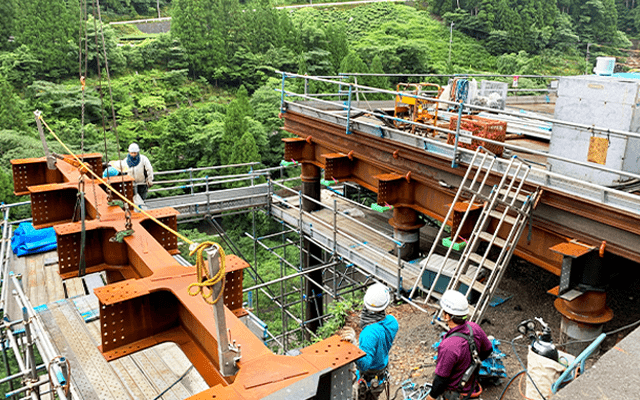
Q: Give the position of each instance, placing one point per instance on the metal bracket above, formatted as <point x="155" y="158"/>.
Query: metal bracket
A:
<point x="51" y="161"/>
<point x="228" y="353"/>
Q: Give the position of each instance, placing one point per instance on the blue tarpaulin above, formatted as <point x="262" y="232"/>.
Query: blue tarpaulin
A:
<point x="27" y="240"/>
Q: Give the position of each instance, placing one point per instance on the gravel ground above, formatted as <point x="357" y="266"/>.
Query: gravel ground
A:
<point x="525" y="285"/>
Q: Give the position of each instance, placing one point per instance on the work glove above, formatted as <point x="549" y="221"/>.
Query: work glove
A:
<point x="348" y="335"/>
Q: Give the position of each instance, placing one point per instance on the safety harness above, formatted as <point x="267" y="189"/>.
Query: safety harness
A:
<point x="471" y="372"/>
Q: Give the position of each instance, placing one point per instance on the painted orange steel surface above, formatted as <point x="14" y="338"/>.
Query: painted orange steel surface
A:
<point x="406" y="176"/>
<point x="146" y="300"/>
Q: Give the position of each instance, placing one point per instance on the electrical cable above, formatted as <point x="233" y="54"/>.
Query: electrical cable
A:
<point x="174" y="383"/>
<point x="513" y="378"/>
<point x="613" y="332"/>
<point x="525" y="368"/>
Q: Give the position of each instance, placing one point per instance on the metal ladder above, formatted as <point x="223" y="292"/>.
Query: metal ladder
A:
<point x="508" y="205"/>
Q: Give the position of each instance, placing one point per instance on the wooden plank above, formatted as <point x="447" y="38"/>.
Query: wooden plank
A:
<point x="30" y="278"/>
<point x="93" y="281"/>
<point x="87" y="307"/>
<point x="79" y="380"/>
<point x="104" y="380"/>
<point x="74" y="287"/>
<point x="18" y="266"/>
<point x="42" y="293"/>
<point x="54" y="283"/>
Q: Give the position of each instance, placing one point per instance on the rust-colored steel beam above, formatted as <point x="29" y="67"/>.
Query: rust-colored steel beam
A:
<point x="147" y="301"/>
<point x="407" y="176"/>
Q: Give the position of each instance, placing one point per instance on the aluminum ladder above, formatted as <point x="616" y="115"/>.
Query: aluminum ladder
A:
<point x="506" y="206"/>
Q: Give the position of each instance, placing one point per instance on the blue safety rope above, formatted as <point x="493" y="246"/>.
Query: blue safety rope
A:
<point x="349" y="111"/>
<point x="282" y="109"/>
<point x="462" y="90"/>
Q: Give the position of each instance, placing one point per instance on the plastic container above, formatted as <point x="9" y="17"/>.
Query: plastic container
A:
<point x="481" y="128"/>
<point x="488" y="87"/>
<point x="604" y="66"/>
<point x="431" y="271"/>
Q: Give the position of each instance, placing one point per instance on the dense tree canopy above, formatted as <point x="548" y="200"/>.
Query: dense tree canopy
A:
<point x="196" y="95"/>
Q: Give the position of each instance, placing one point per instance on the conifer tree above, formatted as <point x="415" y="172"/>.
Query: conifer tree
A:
<point x="380" y="82"/>
<point x="7" y="17"/>
<point x="235" y="125"/>
<point x="353" y="63"/>
<point x="49" y="28"/>
<point x="10" y="108"/>
<point x="197" y="25"/>
<point x="245" y="150"/>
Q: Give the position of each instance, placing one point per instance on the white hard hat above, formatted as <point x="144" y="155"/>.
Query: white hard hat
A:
<point x="377" y="297"/>
<point x="454" y="303"/>
<point x="134" y="148"/>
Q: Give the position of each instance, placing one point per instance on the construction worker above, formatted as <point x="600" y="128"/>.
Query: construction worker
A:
<point x="139" y="167"/>
<point x="455" y="351"/>
<point x="376" y="338"/>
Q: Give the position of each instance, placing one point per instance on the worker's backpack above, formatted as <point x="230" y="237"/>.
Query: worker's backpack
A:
<point x="475" y="358"/>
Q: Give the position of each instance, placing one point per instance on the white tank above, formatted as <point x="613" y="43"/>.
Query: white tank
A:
<point x="604" y="66"/>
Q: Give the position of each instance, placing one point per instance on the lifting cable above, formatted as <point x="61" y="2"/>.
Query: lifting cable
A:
<point x="113" y="110"/>
<point x="102" y="117"/>
<point x="82" y="266"/>
<point x="203" y="279"/>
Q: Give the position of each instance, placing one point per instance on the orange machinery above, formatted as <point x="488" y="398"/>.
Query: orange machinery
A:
<point x="409" y="107"/>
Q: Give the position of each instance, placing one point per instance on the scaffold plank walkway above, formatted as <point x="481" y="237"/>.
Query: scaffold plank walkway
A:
<point x="366" y="248"/>
<point x="143" y="375"/>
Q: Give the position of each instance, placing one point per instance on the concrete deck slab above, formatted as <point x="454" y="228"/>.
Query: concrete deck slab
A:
<point x="615" y="375"/>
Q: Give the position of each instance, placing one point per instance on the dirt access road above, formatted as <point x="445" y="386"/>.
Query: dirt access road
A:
<point x="412" y="355"/>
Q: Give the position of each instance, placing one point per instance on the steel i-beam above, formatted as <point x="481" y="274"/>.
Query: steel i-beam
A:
<point x="146" y="300"/>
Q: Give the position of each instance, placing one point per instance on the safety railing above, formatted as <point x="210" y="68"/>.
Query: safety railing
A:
<point x="343" y="112"/>
<point x="379" y="262"/>
<point x="20" y="336"/>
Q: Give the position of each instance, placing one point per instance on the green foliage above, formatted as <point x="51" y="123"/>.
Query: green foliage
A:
<point x="245" y="150"/>
<point x="197" y="25"/>
<point x="19" y="66"/>
<point x="95" y="54"/>
<point x="515" y="64"/>
<point x="338" y="310"/>
<point x="353" y="63"/>
<point x="64" y="100"/>
<point x="49" y="28"/>
<point x="11" y="114"/>
<point x="164" y="51"/>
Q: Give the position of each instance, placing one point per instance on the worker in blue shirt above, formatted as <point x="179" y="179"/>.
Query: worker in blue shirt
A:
<point x="376" y="338"/>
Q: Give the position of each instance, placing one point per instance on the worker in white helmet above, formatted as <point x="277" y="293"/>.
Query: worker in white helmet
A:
<point x="460" y="352"/>
<point x="139" y="167"/>
<point x="376" y="338"/>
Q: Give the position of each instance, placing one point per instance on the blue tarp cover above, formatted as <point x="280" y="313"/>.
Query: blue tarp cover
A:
<point x="27" y="240"/>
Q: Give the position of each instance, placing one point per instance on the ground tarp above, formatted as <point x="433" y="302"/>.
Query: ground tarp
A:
<point x="28" y="240"/>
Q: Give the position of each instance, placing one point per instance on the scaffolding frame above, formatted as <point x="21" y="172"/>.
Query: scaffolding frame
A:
<point x="25" y="335"/>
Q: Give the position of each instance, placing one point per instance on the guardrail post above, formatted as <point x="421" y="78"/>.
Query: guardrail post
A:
<point x="355" y="81"/>
<point x="191" y="179"/>
<point x="456" y="156"/>
<point x="399" y="271"/>
<point x="206" y="185"/>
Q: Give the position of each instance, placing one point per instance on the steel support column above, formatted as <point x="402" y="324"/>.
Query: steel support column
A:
<point x="406" y="229"/>
<point x="314" y="305"/>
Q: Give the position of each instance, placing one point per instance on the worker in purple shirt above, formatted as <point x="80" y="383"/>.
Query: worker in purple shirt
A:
<point x="455" y="350"/>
